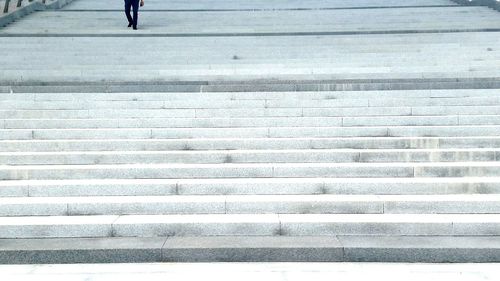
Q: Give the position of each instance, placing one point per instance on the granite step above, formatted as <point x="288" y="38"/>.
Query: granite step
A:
<point x="254" y="132"/>
<point x="248" y="104"/>
<point x="250" y="225"/>
<point x="251" y="249"/>
<point x="250" y="186"/>
<point x="464" y="114"/>
<point x="215" y="144"/>
<point x="249" y="122"/>
<point x="250" y="204"/>
<point x="260" y="170"/>
<point x="158" y="96"/>
<point x="251" y="156"/>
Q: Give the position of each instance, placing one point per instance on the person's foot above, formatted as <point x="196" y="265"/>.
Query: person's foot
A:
<point x="129" y="24"/>
<point x="135" y="27"/>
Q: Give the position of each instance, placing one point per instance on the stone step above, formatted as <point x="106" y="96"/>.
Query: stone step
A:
<point x="250" y="156"/>
<point x="381" y="58"/>
<point x="323" y="66"/>
<point x="297" y="79"/>
<point x="482" y="78"/>
<point x="345" y="79"/>
<point x="158" y="96"/>
<point x="250" y="204"/>
<point x="335" y="59"/>
<point x="252" y="249"/>
<point x="250" y="186"/>
<point x="253" y="52"/>
<point x="169" y="57"/>
<point x="248" y="104"/>
<point x="417" y="20"/>
<point x="205" y="43"/>
<point x="426" y="41"/>
<point x="224" y="59"/>
<point x="257" y="4"/>
<point x="254" y="132"/>
<point x="249" y="143"/>
<point x="94" y="66"/>
<point x="465" y="112"/>
<point x="250" y="224"/>
<point x="260" y="170"/>
<point x="380" y="52"/>
<point x="220" y="122"/>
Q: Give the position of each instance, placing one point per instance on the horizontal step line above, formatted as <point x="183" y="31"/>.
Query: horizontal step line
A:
<point x="256" y="151"/>
<point x="48" y="84"/>
<point x="252" y="249"/>
<point x="252" y="180"/>
<point x="319" y="198"/>
<point x="263" y="9"/>
<point x="249" y="165"/>
<point x="256" y="34"/>
<point x="250" y="204"/>
<point x="250" y="186"/>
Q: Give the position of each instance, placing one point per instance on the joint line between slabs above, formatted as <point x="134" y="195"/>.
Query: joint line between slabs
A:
<point x="163" y="247"/>
<point x="113" y="232"/>
<point x="280" y="231"/>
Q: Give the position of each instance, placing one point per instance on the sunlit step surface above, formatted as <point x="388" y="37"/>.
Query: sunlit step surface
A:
<point x="250" y="186"/>
<point x="251" y="249"/>
<point x="251" y="204"/>
<point x="245" y="224"/>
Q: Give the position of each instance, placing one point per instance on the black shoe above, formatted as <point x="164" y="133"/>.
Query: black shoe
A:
<point x="135" y="27"/>
<point x="129" y="24"/>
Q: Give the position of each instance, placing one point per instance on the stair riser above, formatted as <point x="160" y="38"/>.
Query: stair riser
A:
<point x="222" y="207"/>
<point x="250" y="229"/>
<point x="251" y="249"/>
<point x="228" y="123"/>
<point x="312" y="186"/>
<point x="218" y="104"/>
<point x="229" y="171"/>
<point x="236" y="144"/>
<point x="244" y="96"/>
<point x="281" y="132"/>
<point x="255" y="122"/>
<point x="464" y="111"/>
<point x="262" y="157"/>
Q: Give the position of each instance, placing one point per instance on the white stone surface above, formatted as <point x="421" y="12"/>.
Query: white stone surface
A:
<point x="253" y="271"/>
<point x="266" y="138"/>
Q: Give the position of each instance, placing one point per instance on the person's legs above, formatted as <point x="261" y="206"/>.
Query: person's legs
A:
<point x="127" y="12"/>
<point x="135" y="7"/>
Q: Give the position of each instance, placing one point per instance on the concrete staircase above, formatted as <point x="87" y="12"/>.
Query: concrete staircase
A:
<point x="349" y="175"/>
<point x="251" y="131"/>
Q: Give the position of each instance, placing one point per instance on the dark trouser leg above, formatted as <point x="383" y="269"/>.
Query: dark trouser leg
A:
<point x="135" y="6"/>
<point x="128" y="4"/>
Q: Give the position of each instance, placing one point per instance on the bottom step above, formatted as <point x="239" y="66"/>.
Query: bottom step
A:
<point x="252" y="249"/>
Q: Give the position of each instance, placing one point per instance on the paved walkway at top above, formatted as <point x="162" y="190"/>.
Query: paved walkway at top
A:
<point x="88" y="41"/>
<point x="265" y="22"/>
<point x="257" y="18"/>
<point x="254" y="271"/>
<point x="254" y="4"/>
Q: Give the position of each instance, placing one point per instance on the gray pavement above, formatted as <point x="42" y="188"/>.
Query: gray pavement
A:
<point x="242" y="130"/>
<point x="257" y="4"/>
<point x="88" y="41"/>
<point x="253" y="271"/>
<point x="262" y="22"/>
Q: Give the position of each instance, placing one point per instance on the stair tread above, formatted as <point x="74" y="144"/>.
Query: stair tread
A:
<point x="252" y="198"/>
<point x="250" y="248"/>
<point x="250" y="218"/>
